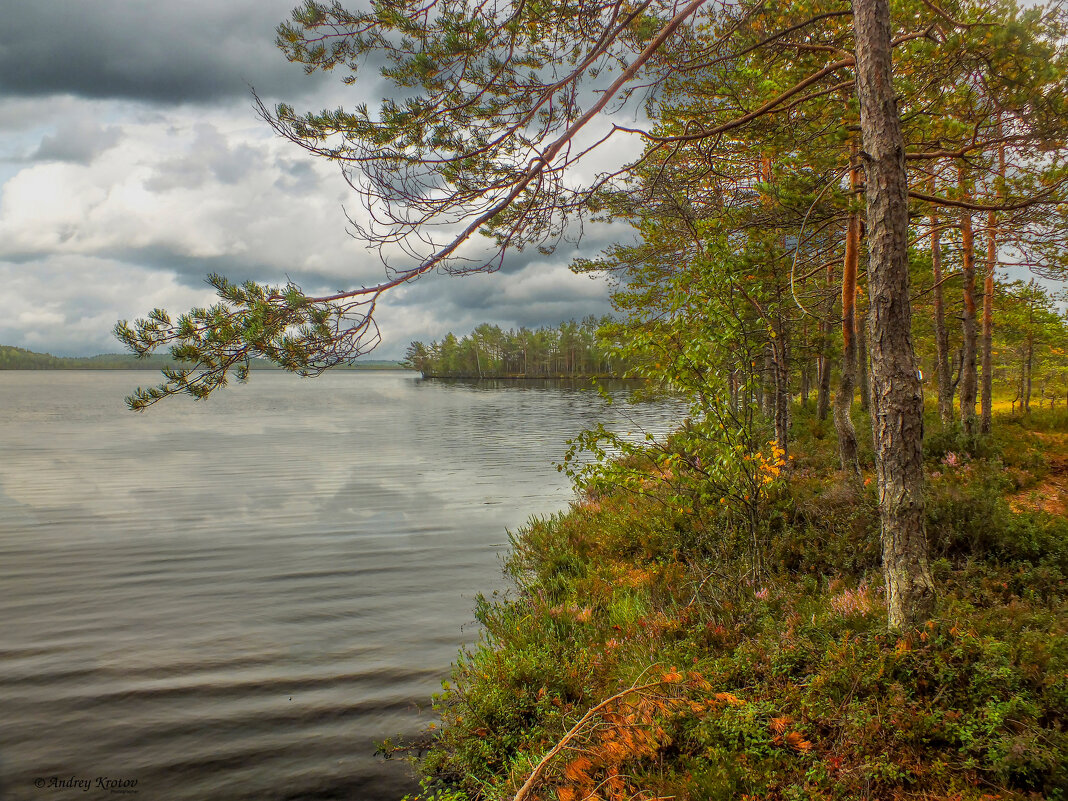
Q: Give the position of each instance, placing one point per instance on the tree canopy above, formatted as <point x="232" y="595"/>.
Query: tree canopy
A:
<point x="761" y="126"/>
<point x="492" y="107"/>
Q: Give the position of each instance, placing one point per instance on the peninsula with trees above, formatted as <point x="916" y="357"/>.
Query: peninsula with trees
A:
<point x="570" y="350"/>
<point x="844" y="575"/>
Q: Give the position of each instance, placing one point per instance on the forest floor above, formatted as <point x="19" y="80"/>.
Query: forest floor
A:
<point x="639" y="657"/>
<point x="1050" y="493"/>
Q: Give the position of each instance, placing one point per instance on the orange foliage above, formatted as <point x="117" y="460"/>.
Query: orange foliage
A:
<point x="779" y="725"/>
<point x="630" y="731"/>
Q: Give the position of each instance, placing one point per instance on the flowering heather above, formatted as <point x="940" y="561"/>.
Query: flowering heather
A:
<point x="853" y="602"/>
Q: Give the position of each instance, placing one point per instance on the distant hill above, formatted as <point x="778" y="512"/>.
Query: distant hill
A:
<point x="12" y="358"/>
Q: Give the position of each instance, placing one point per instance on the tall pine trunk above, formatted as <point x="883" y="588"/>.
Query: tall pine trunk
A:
<point x="897" y="405"/>
<point x="823" y="365"/>
<point x="782" y="395"/>
<point x="987" y="409"/>
<point x="843" y="399"/>
<point x="780" y="351"/>
<point x="969" y="374"/>
<point x="1029" y="361"/>
<point x="767" y="383"/>
<point x="823" y="373"/>
<point x="861" y="332"/>
<point x="1030" y="364"/>
<point x="943" y="370"/>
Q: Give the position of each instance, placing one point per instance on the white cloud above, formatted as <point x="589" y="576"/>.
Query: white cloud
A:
<point x="69" y="304"/>
<point x="130" y="205"/>
<point x="194" y="187"/>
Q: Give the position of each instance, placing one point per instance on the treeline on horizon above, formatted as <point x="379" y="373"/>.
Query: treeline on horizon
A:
<point x="14" y="358"/>
<point x="569" y="350"/>
<point x="1028" y="358"/>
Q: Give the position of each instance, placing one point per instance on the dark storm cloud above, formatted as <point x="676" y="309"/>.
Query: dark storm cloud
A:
<point x="192" y="51"/>
<point x="535" y="295"/>
<point x="191" y="271"/>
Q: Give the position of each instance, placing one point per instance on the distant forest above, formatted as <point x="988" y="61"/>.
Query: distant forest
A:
<point x="12" y="358"/>
<point x="570" y="350"/>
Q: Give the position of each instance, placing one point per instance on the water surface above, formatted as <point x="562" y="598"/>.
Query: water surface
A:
<point x="236" y="599"/>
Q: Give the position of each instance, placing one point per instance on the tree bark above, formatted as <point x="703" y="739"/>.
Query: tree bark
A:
<point x="823" y="366"/>
<point x="769" y="382"/>
<point x="781" y="352"/>
<point x="987" y="401"/>
<point x="943" y="369"/>
<point x="1025" y="401"/>
<point x="823" y="376"/>
<point x="897" y="405"/>
<point x="969" y="375"/>
<point x="758" y="387"/>
<point x="862" y="361"/>
<point x="987" y="405"/>
<point x="843" y="399"/>
<point x="780" y="364"/>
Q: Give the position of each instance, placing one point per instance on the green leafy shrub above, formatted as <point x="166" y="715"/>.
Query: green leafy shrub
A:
<point x="802" y="693"/>
<point x="944" y="440"/>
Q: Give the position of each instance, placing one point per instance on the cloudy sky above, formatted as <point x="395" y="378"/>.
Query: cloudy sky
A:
<point x="132" y="164"/>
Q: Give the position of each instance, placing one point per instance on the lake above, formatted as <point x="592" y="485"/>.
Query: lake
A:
<point x="236" y="599"/>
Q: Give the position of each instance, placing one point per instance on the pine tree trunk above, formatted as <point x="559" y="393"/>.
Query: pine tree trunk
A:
<point x="987" y="409"/>
<point x="758" y="382"/>
<point x="780" y="348"/>
<point x="1020" y="387"/>
<point x="986" y="412"/>
<point x="780" y="355"/>
<point x="969" y="374"/>
<point x="861" y="331"/>
<point x="1026" y="401"/>
<point x="897" y="405"/>
<point x="823" y="365"/>
<point x="843" y="400"/>
<point x="943" y="370"/>
<point x="823" y="374"/>
<point x="768" y="380"/>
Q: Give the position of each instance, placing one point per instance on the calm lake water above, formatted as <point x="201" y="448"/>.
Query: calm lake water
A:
<point x="236" y="599"/>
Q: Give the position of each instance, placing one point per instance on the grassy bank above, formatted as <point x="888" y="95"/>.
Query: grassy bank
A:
<point x="784" y="685"/>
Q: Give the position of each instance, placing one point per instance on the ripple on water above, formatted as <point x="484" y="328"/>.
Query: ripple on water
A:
<point x="237" y="600"/>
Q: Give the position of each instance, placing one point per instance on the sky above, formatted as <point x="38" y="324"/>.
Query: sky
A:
<point x="132" y="164"/>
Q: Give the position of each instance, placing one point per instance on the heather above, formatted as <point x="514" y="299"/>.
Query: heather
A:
<point x="782" y="683"/>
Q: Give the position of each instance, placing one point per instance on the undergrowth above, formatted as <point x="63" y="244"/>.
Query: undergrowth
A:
<point x="786" y="686"/>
